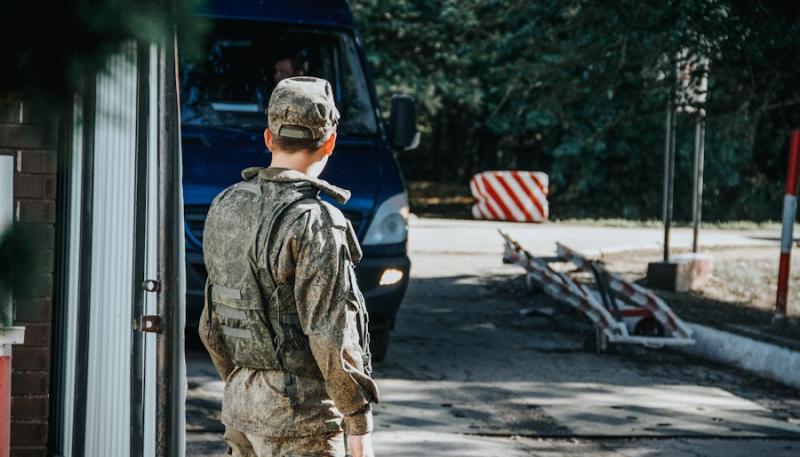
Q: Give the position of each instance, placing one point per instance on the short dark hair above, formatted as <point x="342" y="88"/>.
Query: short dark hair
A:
<point x="297" y="144"/>
<point x="297" y="65"/>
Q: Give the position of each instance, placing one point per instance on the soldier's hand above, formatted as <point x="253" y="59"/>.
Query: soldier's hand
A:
<point x="360" y="445"/>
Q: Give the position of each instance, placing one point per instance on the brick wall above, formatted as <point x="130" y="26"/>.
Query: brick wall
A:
<point x="29" y="134"/>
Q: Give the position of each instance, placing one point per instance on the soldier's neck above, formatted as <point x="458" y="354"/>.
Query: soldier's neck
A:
<point x="300" y="161"/>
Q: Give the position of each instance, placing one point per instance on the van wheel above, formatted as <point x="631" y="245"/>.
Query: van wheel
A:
<point x="379" y="342"/>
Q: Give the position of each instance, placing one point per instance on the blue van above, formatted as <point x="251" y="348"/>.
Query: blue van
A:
<point x="253" y="45"/>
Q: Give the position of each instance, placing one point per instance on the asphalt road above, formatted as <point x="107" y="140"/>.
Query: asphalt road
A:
<point x="466" y="375"/>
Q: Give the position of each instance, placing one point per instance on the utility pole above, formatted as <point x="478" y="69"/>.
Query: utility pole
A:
<point x="697" y="181"/>
<point x="669" y="176"/>
<point x="698" y="99"/>
<point x="170" y="286"/>
<point x="687" y="94"/>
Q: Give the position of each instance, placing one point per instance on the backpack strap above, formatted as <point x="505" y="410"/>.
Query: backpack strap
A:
<point x="289" y="385"/>
<point x="350" y="241"/>
<point x="354" y="254"/>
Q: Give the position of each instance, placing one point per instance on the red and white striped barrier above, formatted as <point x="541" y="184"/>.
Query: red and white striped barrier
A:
<point x="510" y="196"/>
<point x="787" y="233"/>
<point x="645" y="302"/>
<point x="633" y="303"/>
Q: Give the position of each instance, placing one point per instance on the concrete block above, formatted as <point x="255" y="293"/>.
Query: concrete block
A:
<point x="10" y="110"/>
<point x="40" y="236"/>
<point x="30" y="407"/>
<point x="36" y="161"/>
<point x="682" y="273"/>
<point x="30" y="382"/>
<point x="36" y="211"/>
<point x="29" y="451"/>
<point x="30" y="358"/>
<point x="28" y="136"/>
<point x="38" y="112"/>
<point x="762" y="359"/>
<point x="30" y="309"/>
<point x="37" y="334"/>
<point x="35" y="186"/>
<point x="28" y="433"/>
<point x="36" y="286"/>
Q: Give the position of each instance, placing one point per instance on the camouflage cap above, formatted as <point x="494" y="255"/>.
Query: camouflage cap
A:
<point x="302" y="107"/>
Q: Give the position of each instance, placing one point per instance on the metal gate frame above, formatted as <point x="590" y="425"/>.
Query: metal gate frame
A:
<point x="614" y="310"/>
<point x="156" y="385"/>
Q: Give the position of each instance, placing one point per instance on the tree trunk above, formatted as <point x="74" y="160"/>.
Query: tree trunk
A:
<point x="487" y="149"/>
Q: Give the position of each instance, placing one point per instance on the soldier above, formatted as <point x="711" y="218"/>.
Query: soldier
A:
<point x="284" y="320"/>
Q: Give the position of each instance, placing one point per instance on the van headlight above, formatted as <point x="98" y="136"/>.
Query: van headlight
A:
<point x="390" y="224"/>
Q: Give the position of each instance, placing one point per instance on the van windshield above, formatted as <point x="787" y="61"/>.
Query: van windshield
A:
<point x="230" y="86"/>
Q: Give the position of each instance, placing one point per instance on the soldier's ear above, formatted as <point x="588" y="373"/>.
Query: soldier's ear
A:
<point x="268" y="138"/>
<point x="329" y="144"/>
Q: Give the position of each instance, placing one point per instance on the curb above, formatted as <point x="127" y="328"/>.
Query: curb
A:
<point x="761" y="359"/>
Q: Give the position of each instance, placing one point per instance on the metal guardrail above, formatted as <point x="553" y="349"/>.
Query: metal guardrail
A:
<point x="622" y="312"/>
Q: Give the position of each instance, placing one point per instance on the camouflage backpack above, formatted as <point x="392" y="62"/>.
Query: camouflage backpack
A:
<point x="257" y="317"/>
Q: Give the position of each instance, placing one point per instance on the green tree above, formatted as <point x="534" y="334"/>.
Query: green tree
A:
<point x="578" y="89"/>
<point x="49" y="48"/>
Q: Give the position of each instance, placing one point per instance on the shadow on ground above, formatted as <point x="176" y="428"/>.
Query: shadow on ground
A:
<point x="463" y="362"/>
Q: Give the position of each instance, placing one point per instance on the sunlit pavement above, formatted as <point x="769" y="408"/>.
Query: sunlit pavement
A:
<point x="480" y="237"/>
<point x="466" y="376"/>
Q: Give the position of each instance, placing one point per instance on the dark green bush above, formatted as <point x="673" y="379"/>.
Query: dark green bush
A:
<point x="577" y="89"/>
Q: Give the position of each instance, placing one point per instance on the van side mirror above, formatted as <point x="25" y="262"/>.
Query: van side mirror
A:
<point x="403" y="123"/>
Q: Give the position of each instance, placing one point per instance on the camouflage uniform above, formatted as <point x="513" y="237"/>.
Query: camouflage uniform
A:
<point x="241" y="445"/>
<point x="284" y="320"/>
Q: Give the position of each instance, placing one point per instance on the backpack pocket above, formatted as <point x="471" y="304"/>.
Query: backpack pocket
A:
<point x="245" y="328"/>
<point x="291" y="341"/>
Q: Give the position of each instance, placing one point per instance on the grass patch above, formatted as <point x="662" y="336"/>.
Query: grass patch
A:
<point x="655" y="223"/>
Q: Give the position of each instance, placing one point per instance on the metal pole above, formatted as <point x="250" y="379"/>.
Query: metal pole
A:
<point x="167" y="444"/>
<point x="697" y="182"/>
<point x="665" y="192"/>
<point x="139" y="246"/>
<point x="84" y="273"/>
<point x="6" y="306"/>
<point x="669" y="173"/>
<point x="787" y="234"/>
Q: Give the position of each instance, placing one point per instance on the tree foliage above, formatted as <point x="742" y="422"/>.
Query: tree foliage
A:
<point x="48" y="48"/>
<point x="579" y="88"/>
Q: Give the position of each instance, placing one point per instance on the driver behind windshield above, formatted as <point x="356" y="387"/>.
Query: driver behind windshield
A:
<point x="287" y="67"/>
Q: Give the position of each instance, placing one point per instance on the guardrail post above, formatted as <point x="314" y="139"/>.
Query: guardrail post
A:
<point x="787" y="233"/>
